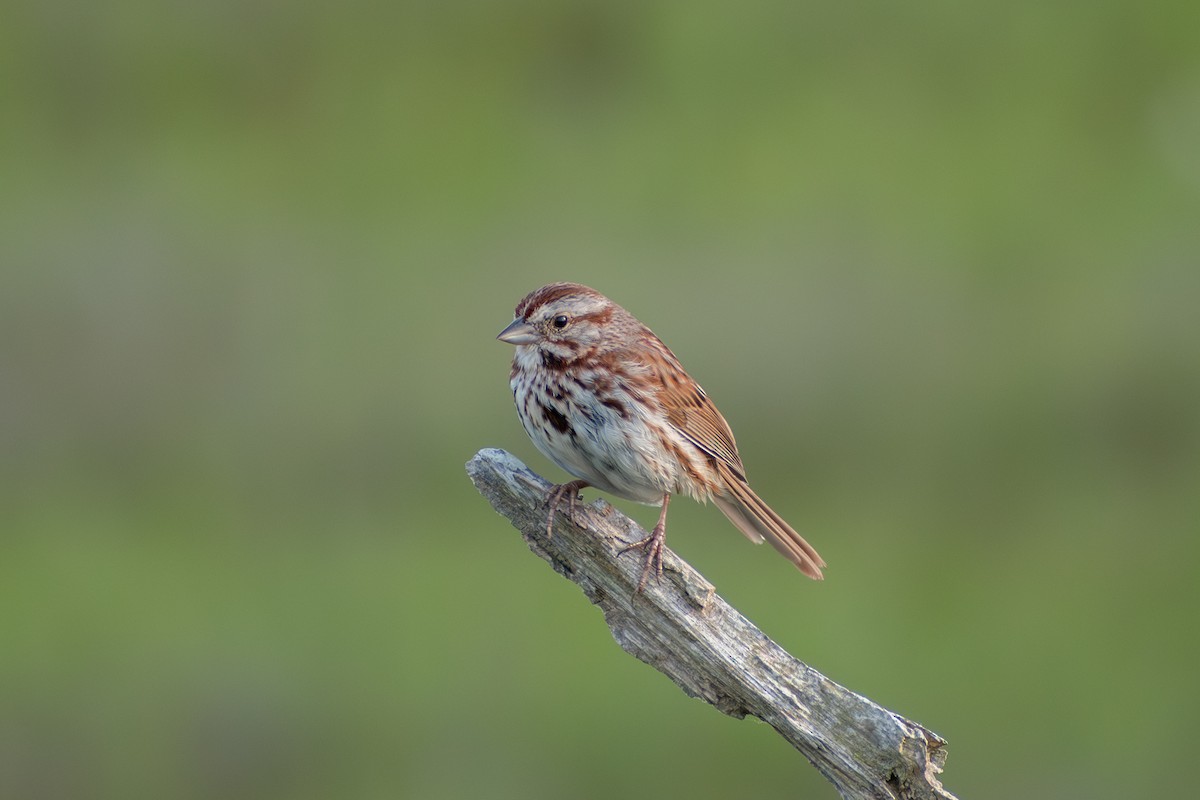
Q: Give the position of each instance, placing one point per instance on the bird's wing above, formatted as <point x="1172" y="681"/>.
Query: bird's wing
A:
<point x="691" y="412"/>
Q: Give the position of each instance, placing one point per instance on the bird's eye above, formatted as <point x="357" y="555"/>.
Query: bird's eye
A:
<point x="561" y="321"/>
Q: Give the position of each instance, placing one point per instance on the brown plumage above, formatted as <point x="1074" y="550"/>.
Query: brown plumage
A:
<point x="602" y="396"/>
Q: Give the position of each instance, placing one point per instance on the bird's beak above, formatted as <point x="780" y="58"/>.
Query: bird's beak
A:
<point x="519" y="332"/>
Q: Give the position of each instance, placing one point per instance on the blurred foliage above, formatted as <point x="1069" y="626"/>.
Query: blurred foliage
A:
<point x="936" y="262"/>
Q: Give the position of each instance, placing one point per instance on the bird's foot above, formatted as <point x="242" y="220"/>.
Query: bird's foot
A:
<point x="570" y="490"/>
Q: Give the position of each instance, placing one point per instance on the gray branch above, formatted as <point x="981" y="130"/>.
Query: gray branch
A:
<point x="683" y="629"/>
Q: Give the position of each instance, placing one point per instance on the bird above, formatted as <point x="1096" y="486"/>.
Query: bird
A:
<point x="603" y="398"/>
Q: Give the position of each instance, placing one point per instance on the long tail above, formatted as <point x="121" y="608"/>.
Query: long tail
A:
<point x="755" y="518"/>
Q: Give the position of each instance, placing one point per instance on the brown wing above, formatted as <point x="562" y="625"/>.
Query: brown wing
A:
<point x="689" y="409"/>
<point x="697" y="418"/>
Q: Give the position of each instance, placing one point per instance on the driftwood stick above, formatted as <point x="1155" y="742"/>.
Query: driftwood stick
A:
<point x="682" y="628"/>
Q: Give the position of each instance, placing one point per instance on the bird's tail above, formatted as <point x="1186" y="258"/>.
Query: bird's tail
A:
<point x="755" y="518"/>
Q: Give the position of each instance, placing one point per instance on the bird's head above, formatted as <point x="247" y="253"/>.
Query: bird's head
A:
<point x="566" y="321"/>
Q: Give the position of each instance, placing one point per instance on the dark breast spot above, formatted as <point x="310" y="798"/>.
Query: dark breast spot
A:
<point x="617" y="406"/>
<point x="557" y="420"/>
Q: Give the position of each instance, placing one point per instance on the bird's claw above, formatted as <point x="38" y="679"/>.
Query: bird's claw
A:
<point x="653" y="545"/>
<point x="555" y="496"/>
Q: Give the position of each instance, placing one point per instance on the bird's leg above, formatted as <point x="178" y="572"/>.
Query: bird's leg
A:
<point x="653" y="544"/>
<point x="571" y="491"/>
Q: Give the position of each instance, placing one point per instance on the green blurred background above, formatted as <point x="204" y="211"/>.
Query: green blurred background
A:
<point x="936" y="263"/>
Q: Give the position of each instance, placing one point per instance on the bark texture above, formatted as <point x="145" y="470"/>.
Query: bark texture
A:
<point x="682" y="628"/>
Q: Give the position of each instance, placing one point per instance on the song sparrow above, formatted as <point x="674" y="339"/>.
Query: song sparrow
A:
<point x="602" y="396"/>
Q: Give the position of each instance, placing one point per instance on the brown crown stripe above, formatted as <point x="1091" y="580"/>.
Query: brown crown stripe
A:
<point x="549" y="294"/>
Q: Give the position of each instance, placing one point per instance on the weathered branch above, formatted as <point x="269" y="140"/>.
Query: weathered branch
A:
<point x="683" y="629"/>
